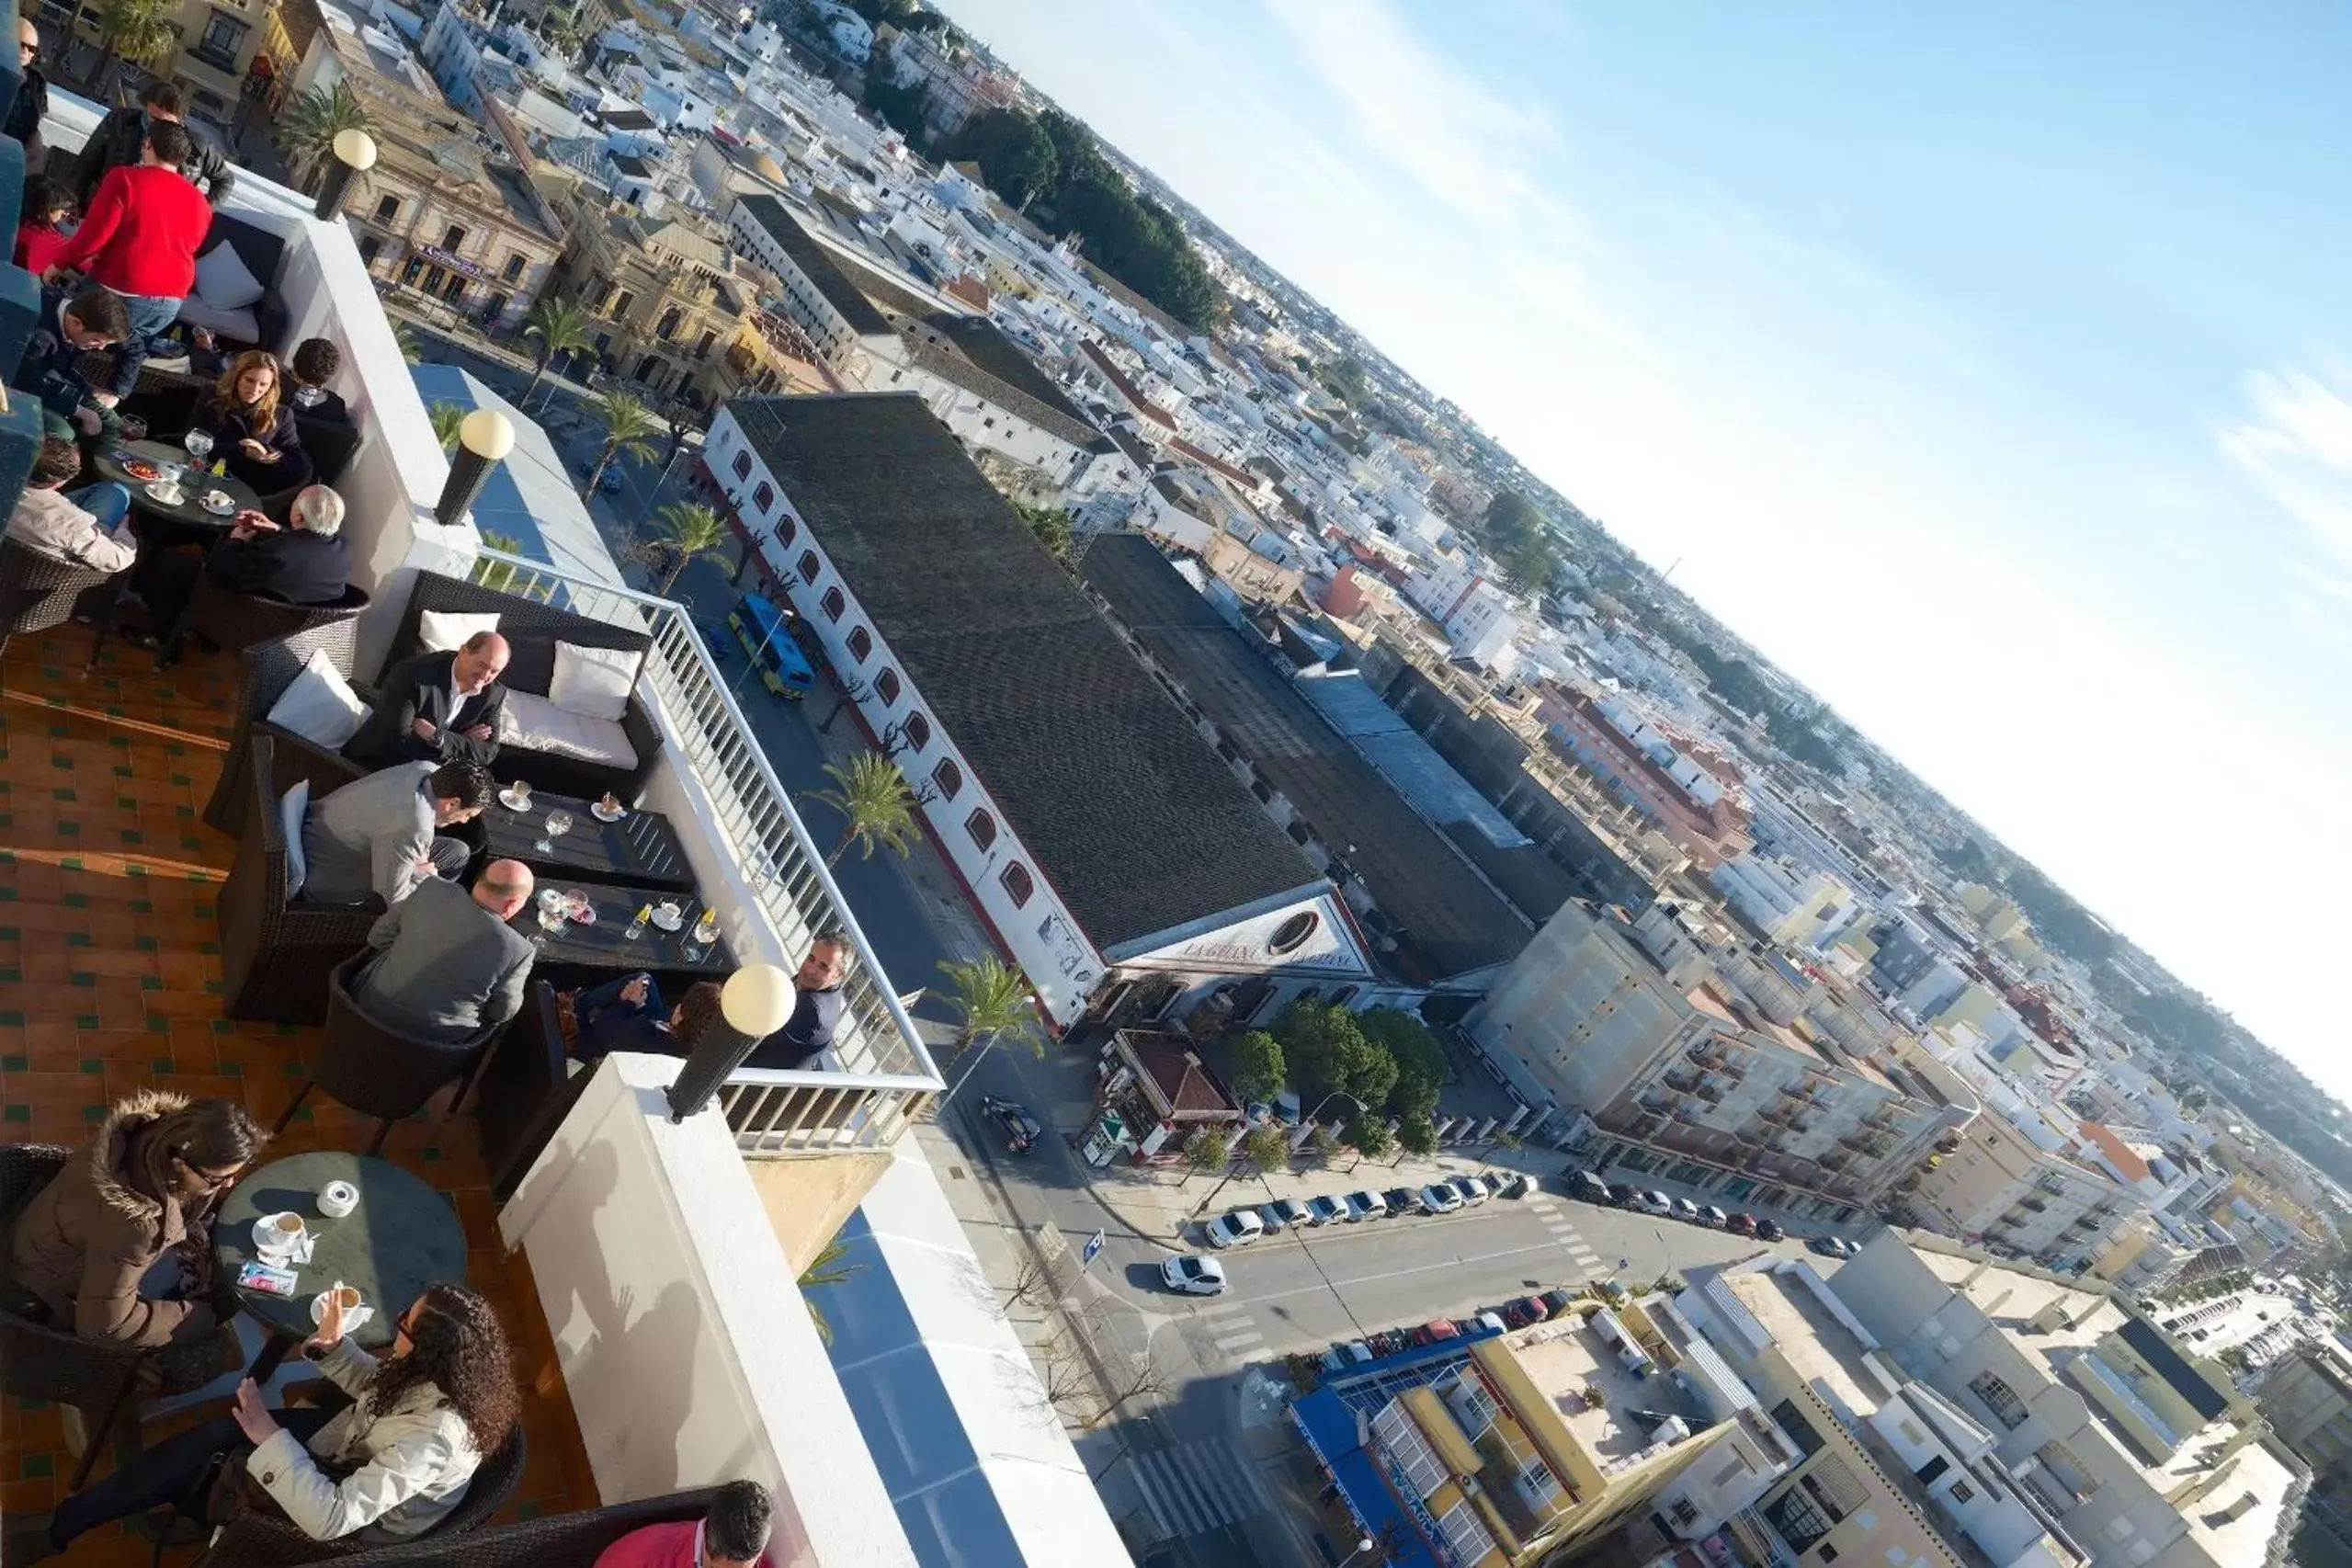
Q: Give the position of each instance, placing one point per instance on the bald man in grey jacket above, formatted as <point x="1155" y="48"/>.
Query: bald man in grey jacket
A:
<point x="449" y="964"/>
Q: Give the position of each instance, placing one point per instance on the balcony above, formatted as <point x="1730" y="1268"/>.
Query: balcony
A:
<point x="661" y="1334"/>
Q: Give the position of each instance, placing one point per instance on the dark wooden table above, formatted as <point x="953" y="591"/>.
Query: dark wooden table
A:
<point x="158" y="527"/>
<point x="640" y="850"/>
<point x="605" y="946"/>
<point x="403" y="1236"/>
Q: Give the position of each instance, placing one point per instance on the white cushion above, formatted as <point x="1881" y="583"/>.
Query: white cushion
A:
<point x="442" y="630"/>
<point x="320" y="705"/>
<point x="292" y="807"/>
<point x="223" y="280"/>
<point x="238" y="325"/>
<point x="594" y="682"/>
<point x="534" y="724"/>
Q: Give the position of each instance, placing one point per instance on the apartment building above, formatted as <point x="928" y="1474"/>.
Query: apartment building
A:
<point x="2307" y="1399"/>
<point x="956" y="81"/>
<point x="1695" y="798"/>
<point x="666" y="292"/>
<point x="848" y="329"/>
<point x="2140" y="1451"/>
<point x="1734" y="1073"/>
<point x="212" y="55"/>
<point x="1480" y="616"/>
<point x="993" y="397"/>
<point x="2036" y="1184"/>
<point x="1795" y="906"/>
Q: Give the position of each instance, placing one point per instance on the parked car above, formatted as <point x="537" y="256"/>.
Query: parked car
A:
<point x="1769" y="1230"/>
<point x="1290" y="1211"/>
<point x="1712" y="1217"/>
<point x="1189" y="1273"/>
<point x="1586" y="1188"/>
<point x="1555" y="1302"/>
<point x="1740" y="1224"/>
<point x="1366" y="1205"/>
<point x="1402" y="1200"/>
<point x="1684" y="1210"/>
<point x="1434" y="1330"/>
<point x="1237" y="1229"/>
<point x="1469" y="1189"/>
<point x="1830" y="1247"/>
<point x="1324" y="1210"/>
<point x="1021" y="1130"/>
<point x="1512" y="1185"/>
<point x="1624" y="1197"/>
<point x="1439" y="1198"/>
<point x="1653" y="1203"/>
<point x="1525" y="1310"/>
<point x="1491" y="1322"/>
<point x="1353" y="1352"/>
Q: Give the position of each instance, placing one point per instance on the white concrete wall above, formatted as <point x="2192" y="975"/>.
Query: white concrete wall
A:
<point x="686" y="1350"/>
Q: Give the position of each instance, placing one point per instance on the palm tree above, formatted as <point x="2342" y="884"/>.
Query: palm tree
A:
<point x="825" y="1269"/>
<point x="405" y="338"/>
<point x="688" y="528"/>
<point x="561" y="328"/>
<point x="992" y="1000"/>
<point x="875" y="805"/>
<point x="630" y="427"/>
<point x="138" y="30"/>
<point x="447" y="418"/>
<point x="312" y="122"/>
<point x="496" y="573"/>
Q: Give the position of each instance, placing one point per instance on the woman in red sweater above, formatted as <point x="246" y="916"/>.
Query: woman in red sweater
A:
<point x="42" y="233"/>
<point x="139" y="240"/>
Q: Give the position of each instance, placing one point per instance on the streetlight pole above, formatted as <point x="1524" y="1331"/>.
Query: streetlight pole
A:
<point x="1362" y="1547"/>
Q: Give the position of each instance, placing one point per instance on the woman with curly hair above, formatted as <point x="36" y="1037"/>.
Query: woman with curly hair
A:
<point x="387" y="1467"/>
<point x="248" y="418"/>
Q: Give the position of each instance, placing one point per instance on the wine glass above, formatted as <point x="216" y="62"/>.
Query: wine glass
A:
<point x="554" y="909"/>
<point x="554" y="826"/>
<point x="198" y="444"/>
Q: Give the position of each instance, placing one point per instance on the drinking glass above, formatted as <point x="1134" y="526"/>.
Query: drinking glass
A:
<point x="198" y="444"/>
<point x="554" y="909"/>
<point x="555" y="826"/>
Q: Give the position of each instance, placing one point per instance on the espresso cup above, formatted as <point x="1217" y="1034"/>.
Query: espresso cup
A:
<point x="282" y="1232"/>
<point x="347" y="1299"/>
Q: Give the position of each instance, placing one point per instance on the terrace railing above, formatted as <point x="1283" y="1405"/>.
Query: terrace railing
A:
<point x="886" y="1078"/>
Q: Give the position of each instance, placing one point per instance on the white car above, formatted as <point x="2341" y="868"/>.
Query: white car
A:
<point x="1365" y="1206"/>
<point x="1324" y="1210"/>
<point x="1193" y="1274"/>
<point x="1237" y="1229"/>
<point x="1440" y="1198"/>
<point x="1473" y="1189"/>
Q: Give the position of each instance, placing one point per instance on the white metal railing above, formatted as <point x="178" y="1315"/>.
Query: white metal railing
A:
<point x="887" y="1078"/>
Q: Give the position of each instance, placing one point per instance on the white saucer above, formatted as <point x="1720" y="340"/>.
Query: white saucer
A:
<point x="677" y="925"/>
<point x="597" y="812"/>
<point x="169" y="495"/>
<point x="506" y="799"/>
<point x="227" y="505"/>
<point x="318" y="1307"/>
<point x="265" y="1241"/>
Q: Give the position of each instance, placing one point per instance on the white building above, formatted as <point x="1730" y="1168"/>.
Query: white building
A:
<point x="1795" y="906"/>
<point x="846" y="328"/>
<point x="1480" y="616"/>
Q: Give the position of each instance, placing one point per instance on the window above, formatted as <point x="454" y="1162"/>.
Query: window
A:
<point x="514" y="267"/>
<point x="1800" y="1521"/>
<point x="453" y="239"/>
<point x="949" y="779"/>
<point x="703" y="346"/>
<point x="1016" y="877"/>
<point x="1935" y="1467"/>
<point x="620" y="306"/>
<point x="1292" y="934"/>
<point x="1683" y="1513"/>
<point x="918" y="731"/>
<point x="833" y="603"/>
<point x="455" y="290"/>
<point x="787" y="529"/>
<point x="1799" y="1430"/>
<point x="861" y="644"/>
<point x="763" y="498"/>
<point x="369" y="248"/>
<point x="743" y="465"/>
<point x="2000" y="1399"/>
<point x="887" y="686"/>
<point x="980" y="826"/>
<point x="1828" y="1552"/>
<point x="808" y="565"/>
<point x="1465" y="1533"/>
<point x="224" y="36"/>
<point x="670" y="319"/>
<point x="604" y="292"/>
<point x="646" y="369"/>
<point x="1961" y="1493"/>
<point x="387" y="210"/>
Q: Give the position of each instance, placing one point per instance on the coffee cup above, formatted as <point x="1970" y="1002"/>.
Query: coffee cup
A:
<point x="347" y="1298"/>
<point x="281" y="1232"/>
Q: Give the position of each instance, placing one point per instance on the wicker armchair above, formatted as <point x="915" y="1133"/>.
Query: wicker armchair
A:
<point x="275" y="952"/>
<point x="558" y="1540"/>
<point x="232" y="621"/>
<point x="38" y="591"/>
<point x="38" y="1362"/>
<point x="258" y="1540"/>
<point x="377" y="1070"/>
<point x="264" y="672"/>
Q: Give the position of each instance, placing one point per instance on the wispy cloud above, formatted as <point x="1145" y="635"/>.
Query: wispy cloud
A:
<point x="2295" y="444"/>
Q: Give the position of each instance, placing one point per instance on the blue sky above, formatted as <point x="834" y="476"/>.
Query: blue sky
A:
<point x="1991" y="370"/>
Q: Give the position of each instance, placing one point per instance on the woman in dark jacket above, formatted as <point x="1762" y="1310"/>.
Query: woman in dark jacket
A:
<point x="252" y="429"/>
<point x="146" y="1187"/>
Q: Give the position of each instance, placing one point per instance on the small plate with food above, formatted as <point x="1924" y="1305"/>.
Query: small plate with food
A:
<point x="142" y="469"/>
<point x="608" y="809"/>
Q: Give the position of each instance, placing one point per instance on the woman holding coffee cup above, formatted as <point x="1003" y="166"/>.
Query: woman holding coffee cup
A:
<point x="387" y="1467"/>
<point x="119" y="1246"/>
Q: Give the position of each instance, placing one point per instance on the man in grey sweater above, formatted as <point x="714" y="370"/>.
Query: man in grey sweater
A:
<point x="449" y="964"/>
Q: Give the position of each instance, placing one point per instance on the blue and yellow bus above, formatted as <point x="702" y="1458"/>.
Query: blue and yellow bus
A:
<point x="766" y="634"/>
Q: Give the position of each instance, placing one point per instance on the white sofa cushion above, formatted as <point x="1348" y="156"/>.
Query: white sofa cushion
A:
<point x="223" y="280"/>
<point x="320" y="706"/>
<point x="238" y="326"/>
<point x="292" y="807"/>
<point x="594" y="682"/>
<point x="534" y="724"/>
<point x="442" y="630"/>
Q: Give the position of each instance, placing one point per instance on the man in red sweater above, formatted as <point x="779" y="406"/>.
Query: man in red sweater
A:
<point x="139" y="240"/>
<point x="732" y="1535"/>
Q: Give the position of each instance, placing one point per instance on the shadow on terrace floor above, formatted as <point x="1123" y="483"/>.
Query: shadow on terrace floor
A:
<point x="110" y="981"/>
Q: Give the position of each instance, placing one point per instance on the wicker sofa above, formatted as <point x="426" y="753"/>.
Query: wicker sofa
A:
<point x="532" y="629"/>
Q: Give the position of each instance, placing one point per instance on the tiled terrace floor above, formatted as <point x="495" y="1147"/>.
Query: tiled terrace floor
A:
<point x="111" y="980"/>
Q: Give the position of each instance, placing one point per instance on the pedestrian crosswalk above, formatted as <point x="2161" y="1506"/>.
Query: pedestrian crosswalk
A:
<point x="1556" y="1220"/>
<point x="1230" y="1333"/>
<point x="1193" y="1488"/>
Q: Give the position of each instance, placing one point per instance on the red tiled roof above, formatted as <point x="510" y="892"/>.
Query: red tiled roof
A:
<point x="1127" y="389"/>
<point x="1189" y="1089"/>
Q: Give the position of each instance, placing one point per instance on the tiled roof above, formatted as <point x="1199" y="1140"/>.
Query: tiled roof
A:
<point x="944" y="357"/>
<point x="1142" y="405"/>
<point x="987" y="347"/>
<point x="1131" y="819"/>
<point x="815" y="263"/>
<point x="1187" y="1086"/>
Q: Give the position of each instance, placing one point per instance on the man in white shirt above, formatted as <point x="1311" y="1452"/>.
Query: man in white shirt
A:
<point x="86" y="528"/>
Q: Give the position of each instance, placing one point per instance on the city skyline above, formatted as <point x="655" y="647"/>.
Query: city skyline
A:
<point x="1981" y="387"/>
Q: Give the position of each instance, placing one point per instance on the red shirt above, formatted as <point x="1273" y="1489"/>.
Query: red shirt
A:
<point x="661" y="1546"/>
<point x="141" y="233"/>
<point x="35" y="248"/>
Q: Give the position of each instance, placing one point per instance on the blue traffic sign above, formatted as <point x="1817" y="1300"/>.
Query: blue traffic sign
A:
<point x="1094" y="1245"/>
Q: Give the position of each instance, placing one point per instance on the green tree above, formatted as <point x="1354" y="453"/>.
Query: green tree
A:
<point x="827" y="1267"/>
<point x="1016" y="156"/>
<point x="1369" y="1135"/>
<point x="629" y="427"/>
<point x="310" y="124"/>
<point x="875" y="805"/>
<point x="446" y="417"/>
<point x="991" y="999"/>
<point x="1513" y="532"/>
<point x="1052" y="527"/>
<point x="688" y="530"/>
<point x="1266" y="1148"/>
<point x="1417" y="1135"/>
<point x="1255" y="1063"/>
<point x="404" y="339"/>
<point x="901" y="108"/>
<point x="557" y="327"/>
<point x="1328" y="1054"/>
<point x="1420" y="1060"/>
<point x="497" y="574"/>
<point x="1346" y="380"/>
<point x="1204" y="1152"/>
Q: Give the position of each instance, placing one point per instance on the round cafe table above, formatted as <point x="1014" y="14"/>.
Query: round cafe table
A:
<point x="403" y="1236"/>
<point x="107" y="461"/>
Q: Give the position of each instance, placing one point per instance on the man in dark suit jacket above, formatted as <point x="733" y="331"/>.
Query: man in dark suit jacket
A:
<point x="437" y="708"/>
<point x="450" y="964"/>
<point x="301" y="561"/>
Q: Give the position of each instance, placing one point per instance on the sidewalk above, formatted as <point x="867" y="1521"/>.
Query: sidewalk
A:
<point x="1859" y="1229"/>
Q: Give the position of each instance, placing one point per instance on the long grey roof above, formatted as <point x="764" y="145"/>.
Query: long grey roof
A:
<point x="814" y="262"/>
